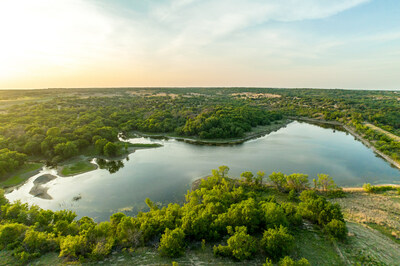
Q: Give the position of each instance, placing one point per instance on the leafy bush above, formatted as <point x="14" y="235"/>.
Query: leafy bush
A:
<point x="172" y="243"/>
<point x="336" y="229"/>
<point x="274" y="215"/>
<point x="277" y="242"/>
<point x="241" y="246"/>
<point x="288" y="261"/>
<point x="11" y="235"/>
<point x="375" y="189"/>
<point x="39" y="242"/>
<point x="292" y="195"/>
<point x="317" y="209"/>
<point x="336" y="193"/>
<point x="73" y="247"/>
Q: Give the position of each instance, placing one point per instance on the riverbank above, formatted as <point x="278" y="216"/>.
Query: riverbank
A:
<point x="20" y="176"/>
<point x="256" y="132"/>
<point x="371" y="146"/>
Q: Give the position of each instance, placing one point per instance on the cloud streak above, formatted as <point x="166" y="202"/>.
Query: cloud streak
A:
<point x="177" y="42"/>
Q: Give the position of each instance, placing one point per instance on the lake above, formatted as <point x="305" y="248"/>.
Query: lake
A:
<point x="165" y="174"/>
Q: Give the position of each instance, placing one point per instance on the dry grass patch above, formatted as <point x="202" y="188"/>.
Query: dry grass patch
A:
<point x="381" y="209"/>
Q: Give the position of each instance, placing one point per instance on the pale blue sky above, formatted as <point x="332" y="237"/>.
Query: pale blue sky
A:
<point x="286" y="43"/>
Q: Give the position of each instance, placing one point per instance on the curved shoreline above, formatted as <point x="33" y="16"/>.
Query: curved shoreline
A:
<point x="369" y="145"/>
<point x="219" y="142"/>
<point x="350" y="130"/>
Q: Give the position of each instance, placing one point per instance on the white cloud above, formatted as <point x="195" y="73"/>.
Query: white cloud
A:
<point x="223" y="39"/>
<point x="197" y="23"/>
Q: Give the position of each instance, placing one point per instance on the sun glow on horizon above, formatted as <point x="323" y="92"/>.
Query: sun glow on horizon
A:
<point x="95" y="43"/>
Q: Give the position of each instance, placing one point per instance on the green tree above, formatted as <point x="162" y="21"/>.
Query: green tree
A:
<point x="241" y="246"/>
<point x="279" y="180"/>
<point x="172" y="243"/>
<point x="99" y="145"/>
<point x="110" y="149"/>
<point x="337" y="229"/>
<point x="297" y="182"/>
<point x="223" y="170"/>
<point x="247" y="177"/>
<point x="277" y="242"/>
<point x="326" y="182"/>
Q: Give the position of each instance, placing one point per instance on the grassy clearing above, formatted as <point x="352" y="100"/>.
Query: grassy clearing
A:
<point x="77" y="168"/>
<point x="385" y="231"/>
<point x="21" y="175"/>
<point x="369" y="247"/>
<point x="313" y="245"/>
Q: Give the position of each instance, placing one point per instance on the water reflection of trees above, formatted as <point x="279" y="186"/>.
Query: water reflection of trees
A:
<point x="111" y="166"/>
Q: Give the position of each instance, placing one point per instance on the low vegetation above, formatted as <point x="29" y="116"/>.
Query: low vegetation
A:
<point x="242" y="215"/>
<point x="77" y="167"/>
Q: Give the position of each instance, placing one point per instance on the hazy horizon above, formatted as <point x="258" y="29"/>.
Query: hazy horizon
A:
<point x="337" y="44"/>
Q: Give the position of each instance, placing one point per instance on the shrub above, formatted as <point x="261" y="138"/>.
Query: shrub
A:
<point x="292" y="195"/>
<point x="317" y="209"/>
<point x="103" y="248"/>
<point x="11" y="235"/>
<point x="241" y="246"/>
<point x="245" y="213"/>
<point x="277" y="242"/>
<point x="336" y="193"/>
<point x="172" y="243"/>
<point x="274" y="215"/>
<point x="3" y="199"/>
<point x="375" y="189"/>
<point x="288" y="261"/>
<point x="298" y="182"/>
<point x="337" y="229"/>
<point x="268" y="262"/>
<point x="368" y="187"/>
<point x="127" y="232"/>
<point x="292" y="215"/>
<point x="39" y="242"/>
<point x="73" y="247"/>
<point x="326" y="183"/>
<point x="279" y="180"/>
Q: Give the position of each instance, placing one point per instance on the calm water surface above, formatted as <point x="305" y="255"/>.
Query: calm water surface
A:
<point x="165" y="174"/>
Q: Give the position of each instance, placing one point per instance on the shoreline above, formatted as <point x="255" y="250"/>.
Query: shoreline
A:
<point x="59" y="168"/>
<point x="352" y="132"/>
<point x="219" y="142"/>
<point x="196" y="183"/>
<point x="369" y="145"/>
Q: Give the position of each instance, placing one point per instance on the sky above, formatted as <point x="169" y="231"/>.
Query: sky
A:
<point x="189" y="43"/>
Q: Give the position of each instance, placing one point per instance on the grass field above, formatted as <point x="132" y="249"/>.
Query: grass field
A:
<point x="21" y="175"/>
<point x="77" y="168"/>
